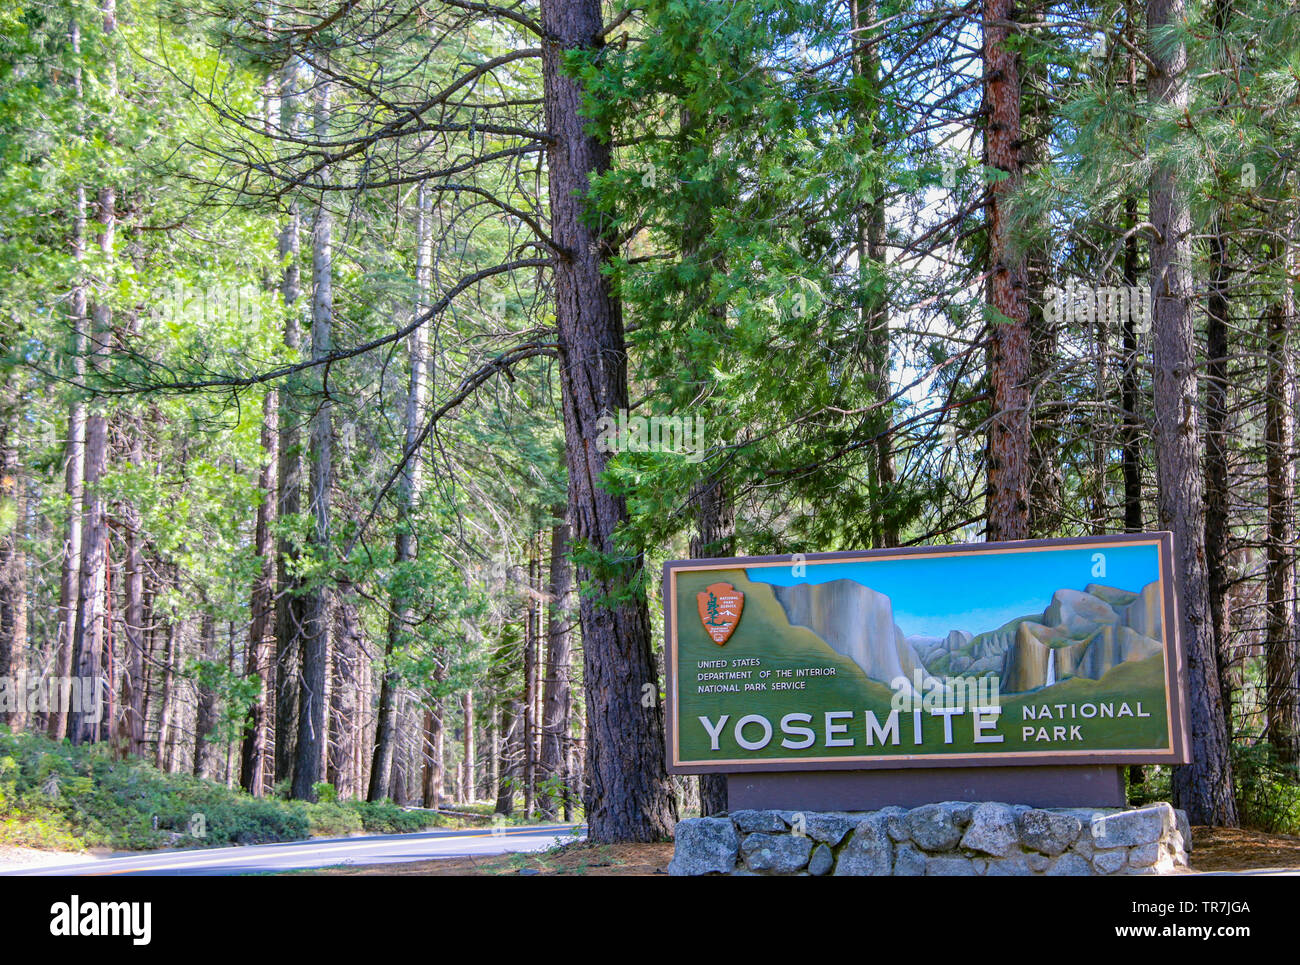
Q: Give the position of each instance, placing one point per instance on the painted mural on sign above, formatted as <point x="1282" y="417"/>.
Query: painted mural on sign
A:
<point x="997" y="653"/>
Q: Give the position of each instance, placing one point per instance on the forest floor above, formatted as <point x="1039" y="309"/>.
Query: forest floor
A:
<point x="1237" y="849"/>
<point x="1217" y="849"/>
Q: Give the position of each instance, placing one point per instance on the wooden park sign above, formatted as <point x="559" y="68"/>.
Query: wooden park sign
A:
<point x="1056" y="652"/>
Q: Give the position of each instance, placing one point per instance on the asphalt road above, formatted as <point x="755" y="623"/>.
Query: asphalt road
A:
<point x="319" y="853"/>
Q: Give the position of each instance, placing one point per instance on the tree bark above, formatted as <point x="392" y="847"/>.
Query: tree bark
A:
<point x="255" y="755"/>
<point x="531" y="623"/>
<point x="166" y="709"/>
<point x="870" y="244"/>
<point x="557" y="695"/>
<point x="345" y="696"/>
<point x="290" y="608"/>
<point x="311" y="743"/>
<point x="1282" y="700"/>
<point x="469" y="787"/>
<point x="1009" y="439"/>
<point x="508" y="768"/>
<point x="205" y="754"/>
<point x="1204" y="787"/>
<point x="434" y="765"/>
<point x="256" y="764"/>
<point x="13" y="561"/>
<point x="405" y="548"/>
<point x="1217" y="529"/>
<point x="629" y="796"/>
<point x="74" y="452"/>
<point x="1046" y="490"/>
<point x="408" y="759"/>
<point x="89" y="632"/>
<point x="492" y="773"/>
<point x="1130" y="395"/>
<point x="133" y="622"/>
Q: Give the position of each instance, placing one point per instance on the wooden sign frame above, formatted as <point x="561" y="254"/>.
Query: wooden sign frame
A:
<point x="1175" y="751"/>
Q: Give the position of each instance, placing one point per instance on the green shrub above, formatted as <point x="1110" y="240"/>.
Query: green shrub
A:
<point x="325" y="792"/>
<point x="331" y="819"/>
<point x="1268" y="791"/>
<point x="385" y="817"/>
<point x="1157" y="785"/>
<point x="55" y="795"/>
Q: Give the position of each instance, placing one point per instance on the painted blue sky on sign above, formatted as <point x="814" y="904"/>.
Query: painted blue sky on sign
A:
<point x="976" y="592"/>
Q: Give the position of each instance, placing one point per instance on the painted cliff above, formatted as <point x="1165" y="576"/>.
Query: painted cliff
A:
<point x="855" y="621"/>
<point x="1083" y="634"/>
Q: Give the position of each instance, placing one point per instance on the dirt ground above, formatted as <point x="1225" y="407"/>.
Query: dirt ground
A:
<point x="1235" y="849"/>
<point x="1216" y="849"/>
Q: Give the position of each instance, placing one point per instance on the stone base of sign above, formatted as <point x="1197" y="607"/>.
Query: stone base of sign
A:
<point x="1043" y="786"/>
<point x="952" y="838"/>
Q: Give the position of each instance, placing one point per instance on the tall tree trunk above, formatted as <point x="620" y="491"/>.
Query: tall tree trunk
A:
<point x="1009" y="440"/>
<point x="1046" y="491"/>
<point x="408" y="757"/>
<point x="256" y="765"/>
<point x="530" y="681"/>
<point x="167" y="705"/>
<point x="434" y="764"/>
<point x="1100" y="511"/>
<point x="89" y="632"/>
<point x="205" y="754"/>
<point x="290" y="607"/>
<point x="557" y="696"/>
<point x="149" y="640"/>
<point x="133" y="614"/>
<point x="13" y="561"/>
<point x="577" y="762"/>
<point x="1202" y="788"/>
<point x="345" y="696"/>
<point x="1130" y="395"/>
<point x="492" y="773"/>
<point x="508" y="769"/>
<point x="1282" y="700"/>
<point x="870" y="249"/>
<point x="255" y="752"/>
<point x="1130" y="392"/>
<point x="311" y="742"/>
<point x="469" y="788"/>
<point x="381" y="767"/>
<point x="405" y="549"/>
<point x="629" y="796"/>
<point x="1217" y="529"/>
<point x="74" y="455"/>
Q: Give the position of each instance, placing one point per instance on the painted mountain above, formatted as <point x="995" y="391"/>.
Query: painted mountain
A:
<point x="1081" y="633"/>
<point x="855" y="621"/>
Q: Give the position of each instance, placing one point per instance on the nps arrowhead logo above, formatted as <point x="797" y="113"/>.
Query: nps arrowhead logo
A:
<point x="720" y="606"/>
